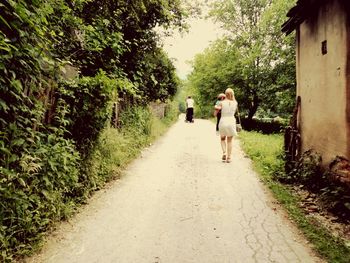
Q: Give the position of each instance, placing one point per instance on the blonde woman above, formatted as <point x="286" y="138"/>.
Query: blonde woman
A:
<point x="217" y="111"/>
<point x="227" y="124"/>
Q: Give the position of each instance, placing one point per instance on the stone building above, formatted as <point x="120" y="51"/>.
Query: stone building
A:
<point x="323" y="75"/>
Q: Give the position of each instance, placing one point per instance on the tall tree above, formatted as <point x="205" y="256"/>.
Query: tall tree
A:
<point x="242" y="19"/>
<point x="263" y="62"/>
<point x="214" y="70"/>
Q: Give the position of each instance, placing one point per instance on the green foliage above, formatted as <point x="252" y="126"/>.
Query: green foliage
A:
<point x="265" y="151"/>
<point x="264" y="125"/>
<point x="89" y="101"/>
<point x="254" y="58"/>
<point x="213" y="73"/>
<point x="112" y="152"/>
<point x="50" y="126"/>
<point x="139" y="117"/>
<point x="158" y="76"/>
<point x="128" y="43"/>
<point x="306" y="171"/>
<point x="37" y="191"/>
<point x="171" y="113"/>
<point x="115" y="148"/>
<point x="182" y="94"/>
<point x="266" y="154"/>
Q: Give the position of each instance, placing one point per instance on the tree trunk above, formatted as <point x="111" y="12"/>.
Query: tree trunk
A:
<point x="254" y="107"/>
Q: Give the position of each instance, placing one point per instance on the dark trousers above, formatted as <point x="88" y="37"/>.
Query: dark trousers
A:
<point x="189" y="114"/>
<point x="218" y="117"/>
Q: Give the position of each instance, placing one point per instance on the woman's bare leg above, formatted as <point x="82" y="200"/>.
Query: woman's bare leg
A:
<point x="229" y="147"/>
<point x="223" y="145"/>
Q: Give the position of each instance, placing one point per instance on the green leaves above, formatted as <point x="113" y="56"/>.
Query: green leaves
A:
<point x="253" y="58"/>
<point x="49" y="122"/>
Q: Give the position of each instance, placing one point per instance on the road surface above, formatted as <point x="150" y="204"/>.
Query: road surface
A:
<point x="179" y="203"/>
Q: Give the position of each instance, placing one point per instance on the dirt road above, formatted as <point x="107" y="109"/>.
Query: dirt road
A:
<point x="180" y="203"/>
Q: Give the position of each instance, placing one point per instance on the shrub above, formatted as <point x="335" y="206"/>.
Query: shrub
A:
<point x="306" y="171"/>
<point x="136" y="120"/>
<point x="264" y="126"/>
<point x="89" y="101"/>
<point x="115" y="148"/>
<point x="37" y="193"/>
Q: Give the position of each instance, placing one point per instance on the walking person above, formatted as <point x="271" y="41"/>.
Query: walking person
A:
<point x="189" y="109"/>
<point x="227" y="124"/>
<point x="217" y="111"/>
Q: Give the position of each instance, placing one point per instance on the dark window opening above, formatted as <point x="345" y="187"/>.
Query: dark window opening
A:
<point x="324" y="47"/>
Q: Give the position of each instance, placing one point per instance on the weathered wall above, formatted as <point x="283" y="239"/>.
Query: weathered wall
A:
<point x="347" y="7"/>
<point x="322" y="83"/>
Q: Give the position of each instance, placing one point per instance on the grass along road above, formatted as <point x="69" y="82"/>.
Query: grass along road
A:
<point x="180" y="203"/>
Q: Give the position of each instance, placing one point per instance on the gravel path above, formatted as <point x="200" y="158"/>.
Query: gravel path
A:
<point x="179" y="203"/>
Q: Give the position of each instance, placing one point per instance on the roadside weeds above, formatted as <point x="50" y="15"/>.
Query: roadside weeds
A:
<point x="265" y="152"/>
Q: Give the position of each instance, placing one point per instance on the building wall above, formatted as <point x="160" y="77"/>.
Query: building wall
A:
<point x="322" y="83"/>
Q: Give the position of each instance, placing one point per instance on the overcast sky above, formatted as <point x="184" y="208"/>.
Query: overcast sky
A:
<point x="182" y="49"/>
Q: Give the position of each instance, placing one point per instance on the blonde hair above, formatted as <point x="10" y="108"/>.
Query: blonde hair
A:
<point x="230" y="95"/>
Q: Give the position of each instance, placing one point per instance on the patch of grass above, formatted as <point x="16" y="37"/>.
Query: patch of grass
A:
<point x="266" y="153"/>
<point x="264" y="150"/>
<point x="160" y="126"/>
<point x="113" y="151"/>
<point x="116" y="148"/>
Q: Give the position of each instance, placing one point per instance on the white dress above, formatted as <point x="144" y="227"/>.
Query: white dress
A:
<point x="227" y="124"/>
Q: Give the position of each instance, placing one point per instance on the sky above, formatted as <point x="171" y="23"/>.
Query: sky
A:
<point x="182" y="48"/>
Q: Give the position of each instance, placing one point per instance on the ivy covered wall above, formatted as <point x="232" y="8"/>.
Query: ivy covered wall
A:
<point x="49" y="123"/>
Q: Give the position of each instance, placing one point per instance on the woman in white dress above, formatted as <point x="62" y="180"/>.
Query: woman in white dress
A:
<point x="227" y="124"/>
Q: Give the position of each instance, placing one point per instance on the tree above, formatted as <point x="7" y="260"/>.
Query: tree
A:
<point x="214" y="70"/>
<point x="261" y="60"/>
<point x="159" y="78"/>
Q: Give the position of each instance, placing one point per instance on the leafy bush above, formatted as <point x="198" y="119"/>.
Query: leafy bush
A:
<point x="49" y="127"/>
<point x="115" y="148"/>
<point x="136" y="119"/>
<point x="306" y="171"/>
<point x="171" y="112"/>
<point x="111" y="153"/>
<point x="37" y="192"/>
<point x="89" y="103"/>
<point x="264" y="126"/>
<point x="203" y="111"/>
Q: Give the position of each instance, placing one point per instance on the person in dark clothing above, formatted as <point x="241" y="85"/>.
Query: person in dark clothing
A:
<point x="189" y="109"/>
<point x="217" y="111"/>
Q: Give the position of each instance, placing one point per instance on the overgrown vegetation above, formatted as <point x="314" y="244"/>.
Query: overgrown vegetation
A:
<point x="333" y="195"/>
<point x="63" y="65"/>
<point x="266" y="152"/>
<point x="264" y="125"/>
<point x="115" y="148"/>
